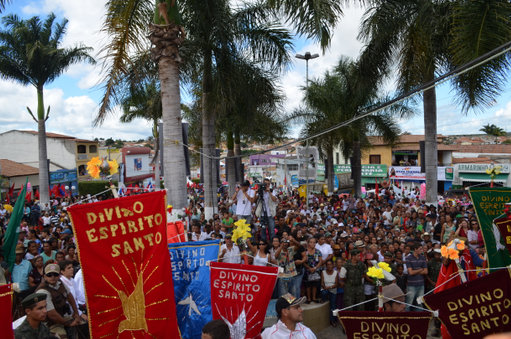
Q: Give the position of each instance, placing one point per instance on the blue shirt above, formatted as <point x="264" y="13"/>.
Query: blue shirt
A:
<point x="415" y="264"/>
<point x="20" y="274"/>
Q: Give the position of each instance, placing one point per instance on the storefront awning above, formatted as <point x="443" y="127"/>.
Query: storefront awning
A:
<point x="482" y="177"/>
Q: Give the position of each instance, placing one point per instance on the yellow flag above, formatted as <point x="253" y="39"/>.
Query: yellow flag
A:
<point x="302" y="191"/>
<point x="325" y="189"/>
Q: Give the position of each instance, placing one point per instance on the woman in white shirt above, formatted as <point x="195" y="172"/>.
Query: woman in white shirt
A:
<point x="261" y="252"/>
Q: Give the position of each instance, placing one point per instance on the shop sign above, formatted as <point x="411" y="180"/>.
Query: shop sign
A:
<point x="367" y="170"/>
<point x="481" y="168"/>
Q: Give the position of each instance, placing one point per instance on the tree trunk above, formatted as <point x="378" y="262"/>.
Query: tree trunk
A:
<point x="431" y="153"/>
<point x="237" y="153"/>
<point x="230" y="163"/>
<point x="356" y="168"/>
<point x="156" y="159"/>
<point x="330" y="169"/>
<point x="44" y="194"/>
<point x="166" y="41"/>
<point x="209" y="141"/>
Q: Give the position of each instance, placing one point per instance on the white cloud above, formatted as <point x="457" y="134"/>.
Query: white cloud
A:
<point x="504" y="113"/>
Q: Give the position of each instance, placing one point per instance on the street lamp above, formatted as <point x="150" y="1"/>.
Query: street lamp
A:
<point x="307" y="57"/>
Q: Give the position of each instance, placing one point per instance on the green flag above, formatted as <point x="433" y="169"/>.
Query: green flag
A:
<point x="11" y="235"/>
<point x="489" y="204"/>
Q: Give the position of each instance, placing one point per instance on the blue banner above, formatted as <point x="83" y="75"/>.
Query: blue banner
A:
<point x="192" y="289"/>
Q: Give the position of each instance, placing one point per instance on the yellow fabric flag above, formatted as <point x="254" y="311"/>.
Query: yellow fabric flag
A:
<point x="302" y="191"/>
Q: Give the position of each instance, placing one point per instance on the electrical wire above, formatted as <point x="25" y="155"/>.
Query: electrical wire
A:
<point x="495" y="53"/>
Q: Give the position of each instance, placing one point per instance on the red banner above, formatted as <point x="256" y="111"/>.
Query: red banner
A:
<point x="476" y="308"/>
<point x="6" y="311"/>
<point x="175" y="232"/>
<point x="382" y="325"/>
<point x="504" y="226"/>
<point x="126" y="267"/>
<point x="240" y="295"/>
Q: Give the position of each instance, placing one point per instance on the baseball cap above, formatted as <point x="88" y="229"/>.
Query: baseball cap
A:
<point x="52" y="268"/>
<point x="286" y="301"/>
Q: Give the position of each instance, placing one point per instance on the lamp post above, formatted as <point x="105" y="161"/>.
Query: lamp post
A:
<point x="307" y="57"/>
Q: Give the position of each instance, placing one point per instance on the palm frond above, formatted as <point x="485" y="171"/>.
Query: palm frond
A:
<point x="126" y="25"/>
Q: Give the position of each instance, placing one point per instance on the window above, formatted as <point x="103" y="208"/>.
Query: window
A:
<point x="82" y="170"/>
<point x="292" y="167"/>
<point x="336" y="158"/>
<point x="375" y="159"/>
<point x="93" y="149"/>
<point x="82" y="149"/>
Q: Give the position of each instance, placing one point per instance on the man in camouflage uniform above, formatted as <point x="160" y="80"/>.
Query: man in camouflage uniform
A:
<point x="32" y="327"/>
<point x="352" y="273"/>
<point x="434" y="266"/>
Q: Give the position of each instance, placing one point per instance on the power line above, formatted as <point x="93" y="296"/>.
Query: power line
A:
<point x="495" y="53"/>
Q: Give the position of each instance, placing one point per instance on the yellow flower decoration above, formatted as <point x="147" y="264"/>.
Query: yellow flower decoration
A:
<point x="453" y="254"/>
<point x="242" y="230"/>
<point x="8" y="208"/>
<point x="374" y="272"/>
<point x="94" y="172"/>
<point x="444" y="251"/>
<point x="450" y="252"/>
<point x="461" y="245"/>
<point x="488" y="171"/>
<point x="113" y="166"/>
<point x="384" y="266"/>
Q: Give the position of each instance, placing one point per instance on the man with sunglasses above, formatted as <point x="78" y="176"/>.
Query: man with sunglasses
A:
<point x="60" y="304"/>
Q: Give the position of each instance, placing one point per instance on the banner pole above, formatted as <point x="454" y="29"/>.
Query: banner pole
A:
<point x="380" y="295"/>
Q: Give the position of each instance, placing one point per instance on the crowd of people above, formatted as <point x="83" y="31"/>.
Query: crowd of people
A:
<point x="324" y="247"/>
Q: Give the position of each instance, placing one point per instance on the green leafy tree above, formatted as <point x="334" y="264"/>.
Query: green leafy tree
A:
<point x="422" y="38"/>
<point x="30" y="53"/>
<point x="340" y="96"/>
<point x="493" y="130"/>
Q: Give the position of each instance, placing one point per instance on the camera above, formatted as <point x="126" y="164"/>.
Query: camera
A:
<point x="262" y="188"/>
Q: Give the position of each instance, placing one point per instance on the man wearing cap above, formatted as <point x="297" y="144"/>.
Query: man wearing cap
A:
<point x="59" y="302"/>
<point x="21" y="271"/>
<point x="391" y="293"/>
<point x="229" y="252"/>
<point x="34" y="306"/>
<point x="289" y="325"/>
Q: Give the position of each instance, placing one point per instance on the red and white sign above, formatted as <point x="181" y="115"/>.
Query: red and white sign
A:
<point x="240" y="295"/>
<point x="406" y="173"/>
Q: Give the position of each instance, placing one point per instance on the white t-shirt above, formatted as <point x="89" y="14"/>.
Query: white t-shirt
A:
<point x="243" y="205"/>
<point x="325" y="250"/>
<point x="231" y="256"/>
<point x="280" y="331"/>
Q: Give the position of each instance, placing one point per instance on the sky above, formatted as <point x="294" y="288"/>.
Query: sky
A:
<point x="74" y="97"/>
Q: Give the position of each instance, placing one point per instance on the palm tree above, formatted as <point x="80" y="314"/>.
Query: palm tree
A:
<point x="142" y="99"/>
<point x="2" y="4"/>
<point x="341" y="96"/>
<point x="426" y="37"/>
<point x="220" y="36"/>
<point x="493" y="130"/>
<point x="30" y="53"/>
<point x="208" y="22"/>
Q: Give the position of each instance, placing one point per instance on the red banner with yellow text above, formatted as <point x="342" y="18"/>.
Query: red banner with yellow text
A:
<point x="6" y="311"/>
<point x="476" y="308"/>
<point x="126" y="267"/>
<point x="383" y="325"/>
<point x="240" y="295"/>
